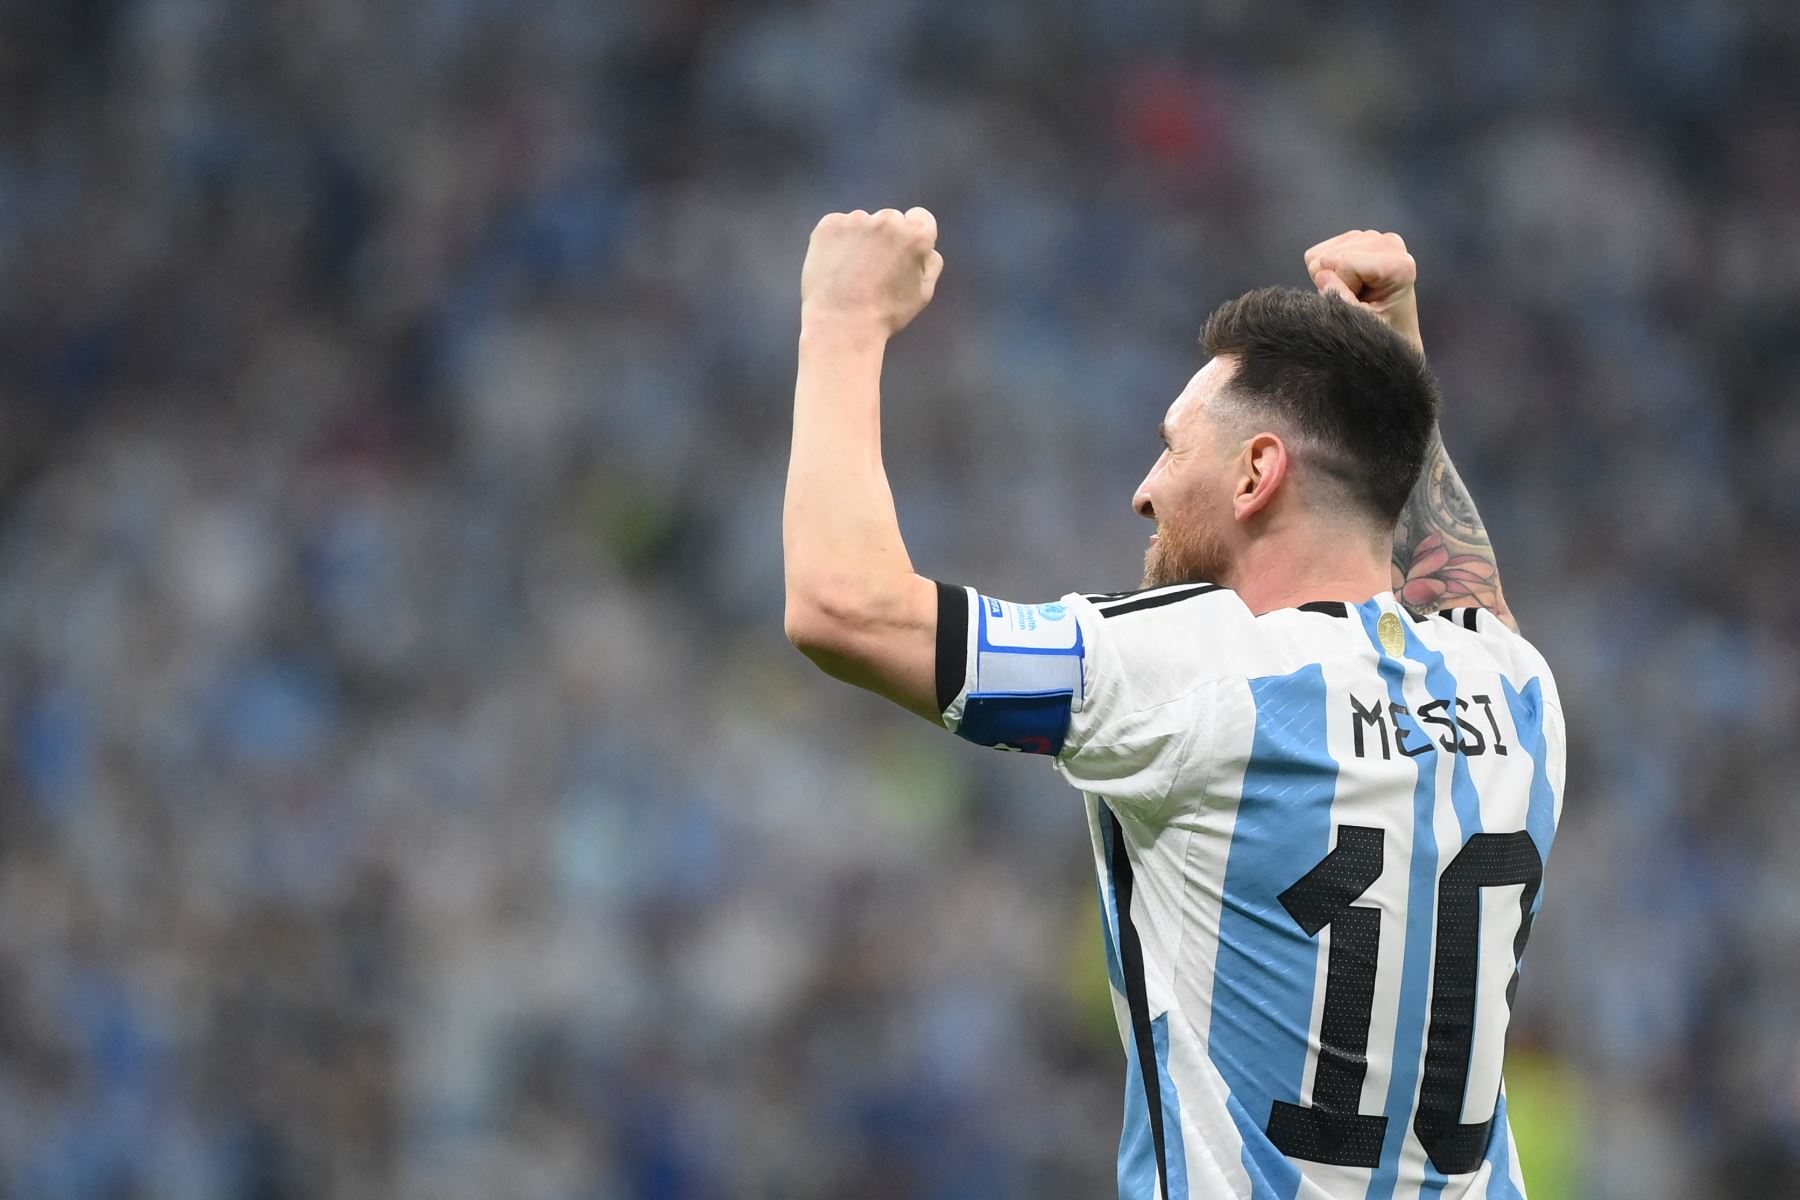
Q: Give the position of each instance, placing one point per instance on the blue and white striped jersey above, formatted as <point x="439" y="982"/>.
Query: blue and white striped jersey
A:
<point x="1320" y="836"/>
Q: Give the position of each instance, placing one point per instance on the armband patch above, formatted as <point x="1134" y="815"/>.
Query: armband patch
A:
<point x="1028" y="676"/>
<point x="1030" y="724"/>
<point x="1027" y="649"/>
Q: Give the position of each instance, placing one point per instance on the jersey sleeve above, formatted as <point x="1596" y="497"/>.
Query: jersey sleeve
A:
<point x="1057" y="679"/>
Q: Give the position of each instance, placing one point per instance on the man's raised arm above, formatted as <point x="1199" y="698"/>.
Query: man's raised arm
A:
<point x="855" y="606"/>
<point x="1442" y="555"/>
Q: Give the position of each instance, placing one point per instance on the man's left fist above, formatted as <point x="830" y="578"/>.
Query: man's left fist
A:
<point x="1371" y="270"/>
<point x="880" y="268"/>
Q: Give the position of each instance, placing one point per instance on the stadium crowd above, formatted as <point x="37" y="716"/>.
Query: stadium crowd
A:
<point x="406" y="789"/>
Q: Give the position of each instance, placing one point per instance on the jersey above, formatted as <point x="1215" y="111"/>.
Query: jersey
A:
<point x="1319" y="835"/>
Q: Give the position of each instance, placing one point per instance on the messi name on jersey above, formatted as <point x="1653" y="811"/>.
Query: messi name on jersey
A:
<point x="1455" y="725"/>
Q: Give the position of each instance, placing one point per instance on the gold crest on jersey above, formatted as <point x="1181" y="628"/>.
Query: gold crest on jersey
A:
<point x="1392" y="634"/>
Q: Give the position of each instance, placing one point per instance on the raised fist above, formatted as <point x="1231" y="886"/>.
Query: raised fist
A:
<point x="1372" y="270"/>
<point x="881" y="268"/>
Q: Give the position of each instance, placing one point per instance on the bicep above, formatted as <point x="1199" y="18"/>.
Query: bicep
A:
<point x="992" y="671"/>
<point x="1030" y="678"/>
<point x="1060" y="679"/>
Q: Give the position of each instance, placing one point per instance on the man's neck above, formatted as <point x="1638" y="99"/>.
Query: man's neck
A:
<point x="1273" y="575"/>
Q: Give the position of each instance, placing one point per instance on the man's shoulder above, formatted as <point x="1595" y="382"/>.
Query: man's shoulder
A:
<point x="1114" y="605"/>
<point x="1174" y="626"/>
<point x="1516" y="655"/>
<point x="1491" y="630"/>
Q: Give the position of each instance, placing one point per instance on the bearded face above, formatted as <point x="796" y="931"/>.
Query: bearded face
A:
<point x="1186" y="548"/>
<point x="1187" y="489"/>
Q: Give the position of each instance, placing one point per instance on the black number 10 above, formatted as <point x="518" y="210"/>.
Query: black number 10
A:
<point x="1331" y="1130"/>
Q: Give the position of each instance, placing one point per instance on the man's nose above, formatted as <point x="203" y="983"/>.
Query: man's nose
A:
<point x="1141" y="505"/>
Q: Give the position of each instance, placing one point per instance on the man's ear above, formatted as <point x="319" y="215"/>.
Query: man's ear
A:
<point x="1262" y="469"/>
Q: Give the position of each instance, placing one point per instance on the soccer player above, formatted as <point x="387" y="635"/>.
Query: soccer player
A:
<point x="1320" y="812"/>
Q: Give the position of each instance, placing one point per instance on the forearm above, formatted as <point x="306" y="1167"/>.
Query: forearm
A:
<point x="1442" y="555"/>
<point x="843" y="551"/>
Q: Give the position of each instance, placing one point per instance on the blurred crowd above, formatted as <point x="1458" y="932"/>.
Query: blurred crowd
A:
<point x="406" y="789"/>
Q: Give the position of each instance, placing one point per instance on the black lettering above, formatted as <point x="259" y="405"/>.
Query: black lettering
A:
<point x="1488" y="706"/>
<point x="1331" y="1130"/>
<point x="1434" y="713"/>
<point x="1487" y="860"/>
<point x="1479" y="744"/>
<point x="1359" y="715"/>
<point x="1395" y="712"/>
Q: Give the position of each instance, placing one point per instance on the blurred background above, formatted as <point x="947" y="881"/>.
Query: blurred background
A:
<point x="406" y="789"/>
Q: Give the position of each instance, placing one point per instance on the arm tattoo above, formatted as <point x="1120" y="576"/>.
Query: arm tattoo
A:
<point x="1442" y="556"/>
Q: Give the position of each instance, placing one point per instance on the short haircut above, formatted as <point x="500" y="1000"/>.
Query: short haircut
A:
<point x="1357" y="395"/>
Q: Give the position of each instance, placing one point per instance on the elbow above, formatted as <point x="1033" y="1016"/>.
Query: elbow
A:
<point x="818" y="627"/>
<point x="840" y="620"/>
<point x="806" y="630"/>
<point x="827" y="637"/>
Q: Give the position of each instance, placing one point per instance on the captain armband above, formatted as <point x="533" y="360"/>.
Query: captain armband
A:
<point x="1027" y="678"/>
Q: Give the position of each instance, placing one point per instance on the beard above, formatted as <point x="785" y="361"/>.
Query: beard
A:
<point x="1186" y="550"/>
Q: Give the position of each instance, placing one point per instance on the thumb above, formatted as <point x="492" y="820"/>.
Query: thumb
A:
<point x="934" y="266"/>
<point x="1328" y="283"/>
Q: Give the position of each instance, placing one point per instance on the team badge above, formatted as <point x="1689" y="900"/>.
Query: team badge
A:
<point x="1392" y="634"/>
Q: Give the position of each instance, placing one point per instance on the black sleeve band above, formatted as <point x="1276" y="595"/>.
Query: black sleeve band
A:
<point x="952" y="642"/>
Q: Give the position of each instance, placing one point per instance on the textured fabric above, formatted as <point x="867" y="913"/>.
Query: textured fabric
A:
<point x="1320" y="836"/>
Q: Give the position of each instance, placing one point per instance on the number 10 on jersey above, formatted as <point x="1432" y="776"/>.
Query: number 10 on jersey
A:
<point x="1332" y="1129"/>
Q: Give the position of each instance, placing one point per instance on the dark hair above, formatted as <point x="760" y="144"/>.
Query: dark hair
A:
<point x="1340" y="379"/>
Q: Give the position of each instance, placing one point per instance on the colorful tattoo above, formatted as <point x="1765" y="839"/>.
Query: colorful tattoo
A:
<point x="1442" y="556"/>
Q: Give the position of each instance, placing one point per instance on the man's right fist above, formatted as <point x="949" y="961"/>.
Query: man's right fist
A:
<point x="880" y="268"/>
<point x="1373" y="271"/>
